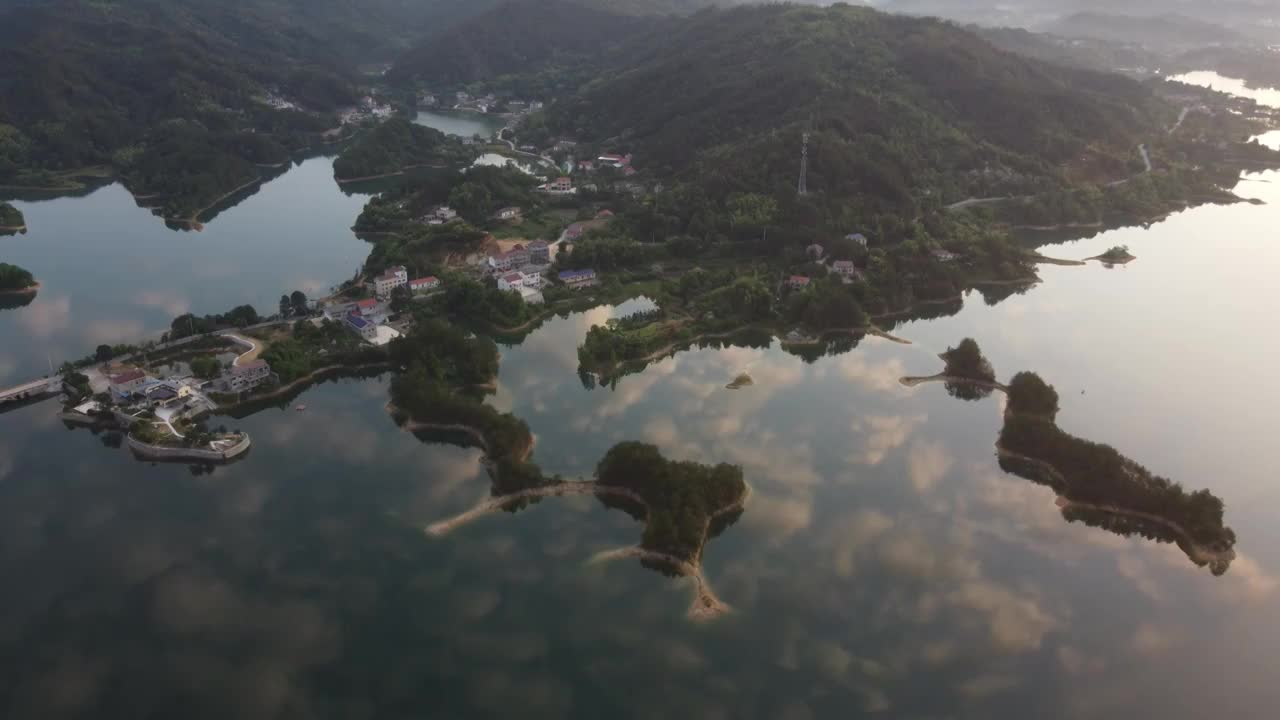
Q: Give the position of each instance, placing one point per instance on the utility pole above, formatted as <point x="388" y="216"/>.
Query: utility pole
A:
<point x="802" y="188"/>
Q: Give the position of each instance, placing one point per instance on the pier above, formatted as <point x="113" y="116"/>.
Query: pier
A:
<point x="35" y="388"/>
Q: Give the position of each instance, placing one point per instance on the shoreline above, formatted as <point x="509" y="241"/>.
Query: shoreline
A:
<point x="398" y="173"/>
<point x="706" y="605"/>
<point x="1198" y="553"/>
<point x="917" y="380"/>
<point x="29" y="290"/>
<point x="310" y="377"/>
<point x="194" y="218"/>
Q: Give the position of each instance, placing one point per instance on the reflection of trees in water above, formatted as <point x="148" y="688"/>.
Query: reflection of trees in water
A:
<point x="967" y="390"/>
<point x="1095" y="483"/>
<point x="996" y="294"/>
<point x="13" y="301"/>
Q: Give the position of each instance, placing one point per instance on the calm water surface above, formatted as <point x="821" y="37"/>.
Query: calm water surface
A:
<point x="884" y="564"/>
<point x="1267" y="96"/>
<point x="463" y="124"/>
<point x="112" y="272"/>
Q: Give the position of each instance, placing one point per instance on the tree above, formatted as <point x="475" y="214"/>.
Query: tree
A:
<point x="400" y="298"/>
<point x="102" y="353"/>
<point x="966" y="361"/>
<point x="205" y="367"/>
<point x="286" y="306"/>
<point x="1030" y="395"/>
<point x="299" y="302"/>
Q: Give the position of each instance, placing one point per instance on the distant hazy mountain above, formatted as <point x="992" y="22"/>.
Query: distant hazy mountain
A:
<point x="1161" y="32"/>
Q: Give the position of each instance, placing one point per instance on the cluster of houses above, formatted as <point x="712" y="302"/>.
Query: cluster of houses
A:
<point x="398" y="277"/>
<point x="485" y="103"/>
<point x="369" y="108"/>
<point x="133" y="388"/>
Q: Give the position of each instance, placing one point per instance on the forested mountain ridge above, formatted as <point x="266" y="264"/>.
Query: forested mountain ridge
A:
<point x="895" y="106"/>
<point x="170" y="93"/>
<point x="518" y="36"/>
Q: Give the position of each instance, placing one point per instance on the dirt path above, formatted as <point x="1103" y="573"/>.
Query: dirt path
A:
<point x="255" y="349"/>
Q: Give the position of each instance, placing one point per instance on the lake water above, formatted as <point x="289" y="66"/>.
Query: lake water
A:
<point x="113" y="272"/>
<point x="463" y="124"/>
<point x="884" y="563"/>
<point x="1269" y="97"/>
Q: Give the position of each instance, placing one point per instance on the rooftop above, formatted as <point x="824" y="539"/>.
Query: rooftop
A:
<point x="127" y="376"/>
<point x="367" y="303"/>
<point x="250" y="366"/>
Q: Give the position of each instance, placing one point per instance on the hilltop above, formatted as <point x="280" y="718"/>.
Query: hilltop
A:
<point x="903" y="112"/>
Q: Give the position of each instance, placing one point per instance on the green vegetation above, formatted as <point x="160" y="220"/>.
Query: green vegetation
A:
<point x="397" y="145"/>
<point x="310" y="348"/>
<point x="681" y="497"/>
<point x="435" y="362"/>
<point x="966" y="361"/>
<point x="206" y="367"/>
<point x="1117" y="254"/>
<point x="1032" y="396"/>
<point x="631" y="338"/>
<point x="893" y="105"/>
<point x="189" y="324"/>
<point x="466" y="298"/>
<point x="10" y="218"/>
<point x="13" y="277"/>
<point x="486" y="190"/>
<point x="1096" y="474"/>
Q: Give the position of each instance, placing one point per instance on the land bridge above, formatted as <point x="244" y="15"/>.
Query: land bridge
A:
<point x="43" y="386"/>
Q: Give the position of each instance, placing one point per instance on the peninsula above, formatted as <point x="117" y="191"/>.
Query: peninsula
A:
<point x="1097" y="485"/>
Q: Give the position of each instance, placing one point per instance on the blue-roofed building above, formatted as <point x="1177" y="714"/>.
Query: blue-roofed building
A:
<point x="574" y="279"/>
<point x="361" y="326"/>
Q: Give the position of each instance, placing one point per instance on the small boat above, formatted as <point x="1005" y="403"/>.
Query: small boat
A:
<point x="300" y="408"/>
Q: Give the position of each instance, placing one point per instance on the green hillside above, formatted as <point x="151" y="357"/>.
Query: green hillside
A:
<point x="904" y="113"/>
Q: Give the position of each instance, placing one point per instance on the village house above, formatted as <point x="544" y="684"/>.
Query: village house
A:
<point x="846" y="270"/>
<point x="945" y="255"/>
<point x="798" y="282"/>
<point x="245" y="377"/>
<point x="531" y="277"/>
<point x="574" y="279"/>
<point x="517" y="256"/>
<point x="126" y="382"/>
<point x="422" y="285"/>
<point x="508" y="213"/>
<point x="511" y="281"/>
<point x="614" y="161"/>
<point x="858" y="238"/>
<point x="372" y="310"/>
<point x="540" y="252"/>
<point x="390" y="280"/>
<point x="167" y="394"/>
<point x="559" y="186"/>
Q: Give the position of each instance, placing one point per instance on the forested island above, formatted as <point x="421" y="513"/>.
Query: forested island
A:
<point x="1098" y="485"/>
<point x="15" y="280"/>
<point x="11" y="220"/>
<point x="394" y="146"/>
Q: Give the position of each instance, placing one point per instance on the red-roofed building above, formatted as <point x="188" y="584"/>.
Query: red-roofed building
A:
<point x="604" y="214"/>
<point x="125" y="382"/>
<point x="368" y="306"/>
<point x="560" y="186"/>
<point x="511" y="281"/>
<point x="798" y="281"/>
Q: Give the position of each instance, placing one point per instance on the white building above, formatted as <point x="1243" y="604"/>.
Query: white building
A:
<point x="846" y="269"/>
<point x="422" y="285"/>
<point x="245" y="377"/>
<point x="531" y="278"/>
<point x="393" y="278"/>
<point x="517" y="256"/>
<point x="508" y="213"/>
<point x="126" y="382"/>
<point x="559" y="186"/>
<point x="510" y="281"/>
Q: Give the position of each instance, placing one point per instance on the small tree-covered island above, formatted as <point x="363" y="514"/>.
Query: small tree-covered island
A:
<point x="11" y="220"/>
<point x="16" y="281"/>
<point x="1095" y="483"/>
